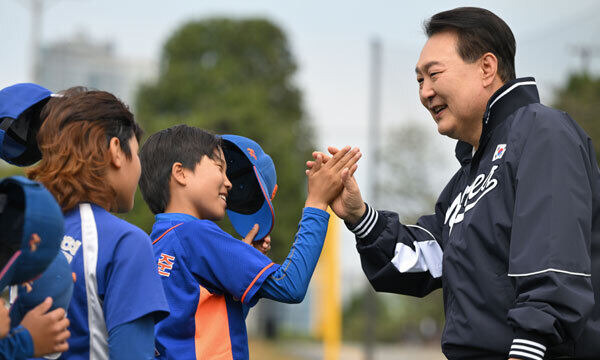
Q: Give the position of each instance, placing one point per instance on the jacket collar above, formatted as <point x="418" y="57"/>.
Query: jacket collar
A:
<point x="505" y="101"/>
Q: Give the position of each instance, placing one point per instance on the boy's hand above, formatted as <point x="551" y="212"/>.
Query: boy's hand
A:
<point x="4" y="319"/>
<point x="263" y="245"/>
<point x="325" y="176"/>
<point x="348" y="205"/>
<point x="47" y="329"/>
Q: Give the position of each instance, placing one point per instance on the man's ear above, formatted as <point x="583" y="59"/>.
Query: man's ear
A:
<point x="489" y="68"/>
<point x="117" y="156"/>
<point x="178" y="174"/>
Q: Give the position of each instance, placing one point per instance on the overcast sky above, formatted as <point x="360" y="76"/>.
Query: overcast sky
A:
<point x="330" y="40"/>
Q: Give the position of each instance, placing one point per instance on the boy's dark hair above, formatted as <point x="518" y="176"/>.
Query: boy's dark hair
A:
<point x="74" y="141"/>
<point x="180" y="143"/>
<point x="479" y="31"/>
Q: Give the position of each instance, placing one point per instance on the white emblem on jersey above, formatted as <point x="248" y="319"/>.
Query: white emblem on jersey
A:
<point x="499" y="153"/>
<point x="69" y="246"/>
<point x="467" y="199"/>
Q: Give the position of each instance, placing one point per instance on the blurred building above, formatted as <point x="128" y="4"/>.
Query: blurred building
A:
<point x="80" y="61"/>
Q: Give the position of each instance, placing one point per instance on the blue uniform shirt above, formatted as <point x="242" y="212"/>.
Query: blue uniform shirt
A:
<point x="116" y="280"/>
<point x="208" y="277"/>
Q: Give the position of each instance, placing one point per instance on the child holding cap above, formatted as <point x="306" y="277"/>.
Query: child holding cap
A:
<point x="211" y="278"/>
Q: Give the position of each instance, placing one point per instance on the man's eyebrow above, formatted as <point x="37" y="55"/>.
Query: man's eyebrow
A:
<point x="426" y="66"/>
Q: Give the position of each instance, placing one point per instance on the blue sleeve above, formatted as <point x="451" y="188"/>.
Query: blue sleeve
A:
<point x="289" y="283"/>
<point x="223" y="263"/>
<point x="133" y="288"/>
<point x="17" y="345"/>
<point x="133" y="340"/>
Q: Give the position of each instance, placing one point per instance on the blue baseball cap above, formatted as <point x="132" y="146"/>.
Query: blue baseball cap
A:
<point x="254" y="184"/>
<point x="56" y="282"/>
<point x="32" y="226"/>
<point x="20" y="108"/>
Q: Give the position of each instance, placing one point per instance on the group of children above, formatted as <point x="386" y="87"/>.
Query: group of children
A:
<point x="184" y="291"/>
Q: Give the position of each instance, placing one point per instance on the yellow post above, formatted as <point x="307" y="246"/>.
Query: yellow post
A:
<point x="329" y="324"/>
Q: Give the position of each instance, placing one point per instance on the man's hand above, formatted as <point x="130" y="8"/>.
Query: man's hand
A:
<point x="325" y="176"/>
<point x="47" y="329"/>
<point x="4" y="319"/>
<point x="263" y="245"/>
<point x="348" y="205"/>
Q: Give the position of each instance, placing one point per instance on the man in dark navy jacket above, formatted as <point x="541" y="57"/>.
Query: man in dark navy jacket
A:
<point x="515" y="238"/>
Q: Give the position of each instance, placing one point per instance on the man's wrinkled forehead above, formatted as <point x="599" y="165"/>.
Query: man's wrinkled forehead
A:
<point x="439" y="49"/>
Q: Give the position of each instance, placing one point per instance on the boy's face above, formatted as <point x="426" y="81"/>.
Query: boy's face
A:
<point x="208" y="187"/>
<point x="130" y="175"/>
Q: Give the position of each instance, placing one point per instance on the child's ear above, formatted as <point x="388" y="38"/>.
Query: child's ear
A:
<point x="116" y="153"/>
<point x="178" y="174"/>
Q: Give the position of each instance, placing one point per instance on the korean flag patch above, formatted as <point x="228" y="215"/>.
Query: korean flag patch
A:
<point x="500" y="150"/>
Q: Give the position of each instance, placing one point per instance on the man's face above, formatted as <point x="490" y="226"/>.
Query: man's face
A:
<point x="450" y="88"/>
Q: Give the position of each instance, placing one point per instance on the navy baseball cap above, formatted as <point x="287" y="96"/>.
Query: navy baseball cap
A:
<point x="32" y="226"/>
<point x="20" y="108"/>
<point x="56" y="282"/>
<point x="254" y="184"/>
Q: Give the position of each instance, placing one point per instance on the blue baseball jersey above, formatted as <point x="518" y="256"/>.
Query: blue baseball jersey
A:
<point x="210" y="279"/>
<point x="116" y="280"/>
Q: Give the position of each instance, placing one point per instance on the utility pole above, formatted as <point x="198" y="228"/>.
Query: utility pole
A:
<point x="585" y="55"/>
<point x="373" y="171"/>
<point x="36" y="7"/>
<point x="36" y="34"/>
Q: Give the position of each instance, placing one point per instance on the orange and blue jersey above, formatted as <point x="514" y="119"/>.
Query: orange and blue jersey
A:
<point x="209" y="279"/>
<point x="116" y="281"/>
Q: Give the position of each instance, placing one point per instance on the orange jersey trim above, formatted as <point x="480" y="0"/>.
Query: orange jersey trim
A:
<point x="165" y="233"/>
<point x="211" y="337"/>
<point x="253" y="281"/>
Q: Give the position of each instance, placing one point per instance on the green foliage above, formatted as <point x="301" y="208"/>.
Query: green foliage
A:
<point x="399" y="318"/>
<point x="580" y="97"/>
<point x="235" y="77"/>
<point x="409" y="172"/>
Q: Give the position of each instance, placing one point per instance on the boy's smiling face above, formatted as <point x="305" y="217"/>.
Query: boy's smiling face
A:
<point x="208" y="187"/>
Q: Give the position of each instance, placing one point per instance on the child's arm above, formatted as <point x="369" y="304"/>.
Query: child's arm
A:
<point x="17" y="344"/>
<point x="290" y="282"/>
<point x="132" y="340"/>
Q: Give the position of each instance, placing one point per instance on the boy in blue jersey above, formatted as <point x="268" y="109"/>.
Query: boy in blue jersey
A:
<point x="211" y="278"/>
<point x="89" y="142"/>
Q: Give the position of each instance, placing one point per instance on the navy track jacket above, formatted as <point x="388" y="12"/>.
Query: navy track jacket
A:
<point x="514" y="241"/>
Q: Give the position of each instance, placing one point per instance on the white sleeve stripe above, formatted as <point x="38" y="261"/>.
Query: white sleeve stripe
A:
<point x="367" y="223"/>
<point x="98" y="335"/>
<point x="551" y="270"/>
<point x="359" y="230"/>
<point x="530" y="343"/>
<point x="422" y="228"/>
<point x="368" y="230"/>
<point x="359" y="227"/>
<point x="527" y="348"/>
<point x="527" y="356"/>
